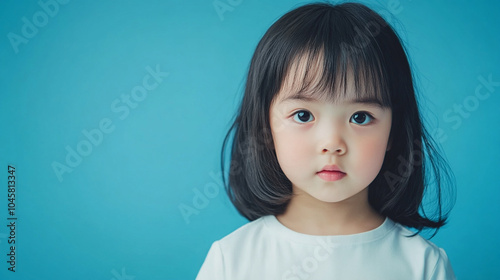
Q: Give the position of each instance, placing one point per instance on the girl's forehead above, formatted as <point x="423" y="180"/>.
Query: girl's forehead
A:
<point x="306" y="79"/>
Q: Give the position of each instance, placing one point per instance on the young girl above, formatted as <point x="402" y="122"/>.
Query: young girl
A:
<point x="329" y="158"/>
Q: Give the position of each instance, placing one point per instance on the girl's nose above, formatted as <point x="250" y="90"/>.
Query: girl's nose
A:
<point x="332" y="142"/>
<point x="337" y="149"/>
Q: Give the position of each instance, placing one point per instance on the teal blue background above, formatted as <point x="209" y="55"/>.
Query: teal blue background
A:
<point x="117" y="214"/>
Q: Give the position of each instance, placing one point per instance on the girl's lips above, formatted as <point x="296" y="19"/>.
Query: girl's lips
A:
<point x="332" y="167"/>
<point x="331" y="175"/>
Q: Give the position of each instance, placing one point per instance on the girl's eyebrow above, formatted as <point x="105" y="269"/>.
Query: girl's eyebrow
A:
<point x="370" y="101"/>
<point x="359" y="100"/>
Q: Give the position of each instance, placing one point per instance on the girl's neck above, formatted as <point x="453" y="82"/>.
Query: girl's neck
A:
<point x="307" y="215"/>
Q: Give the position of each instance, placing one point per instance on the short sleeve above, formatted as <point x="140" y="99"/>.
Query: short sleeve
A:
<point x="213" y="266"/>
<point x="443" y="269"/>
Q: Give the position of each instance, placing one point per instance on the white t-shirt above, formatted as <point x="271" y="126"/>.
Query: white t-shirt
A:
<point x="266" y="249"/>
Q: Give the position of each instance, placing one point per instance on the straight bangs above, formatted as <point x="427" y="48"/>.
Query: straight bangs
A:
<point x="328" y="61"/>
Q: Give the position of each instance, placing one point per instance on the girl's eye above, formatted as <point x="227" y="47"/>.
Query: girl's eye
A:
<point x="361" y="118"/>
<point x="303" y="117"/>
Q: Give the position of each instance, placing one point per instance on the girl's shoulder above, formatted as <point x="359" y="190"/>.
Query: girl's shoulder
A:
<point x="422" y="253"/>
<point x="415" y="242"/>
<point x="251" y="231"/>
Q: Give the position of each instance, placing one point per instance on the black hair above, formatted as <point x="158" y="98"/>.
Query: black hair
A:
<point x="349" y="39"/>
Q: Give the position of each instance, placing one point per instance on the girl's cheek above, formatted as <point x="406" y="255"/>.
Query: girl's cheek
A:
<point x="371" y="156"/>
<point x="291" y="147"/>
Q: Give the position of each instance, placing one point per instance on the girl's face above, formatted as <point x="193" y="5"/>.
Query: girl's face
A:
<point x="310" y="134"/>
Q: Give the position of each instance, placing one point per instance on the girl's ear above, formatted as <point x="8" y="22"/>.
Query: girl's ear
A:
<point x="389" y="144"/>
